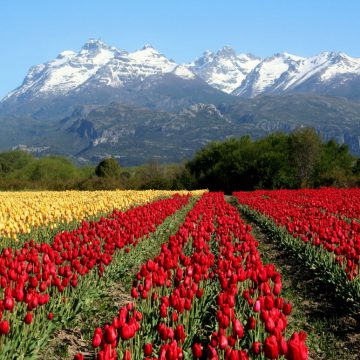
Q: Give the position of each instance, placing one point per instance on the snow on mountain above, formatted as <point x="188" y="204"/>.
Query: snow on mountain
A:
<point x="224" y="70"/>
<point x="97" y="64"/>
<point x="184" y="72"/>
<point x="286" y="72"/>
<point x="271" y="73"/>
<point x="68" y="71"/>
<point x="340" y="63"/>
<point x="151" y="61"/>
<point x="325" y="66"/>
<point x="126" y="67"/>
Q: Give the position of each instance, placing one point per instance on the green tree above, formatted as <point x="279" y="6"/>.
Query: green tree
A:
<point x="51" y="168"/>
<point x="108" y="168"/>
<point x="12" y="161"/>
<point x="273" y="162"/>
<point x="356" y="167"/>
<point x="225" y="165"/>
<point x="305" y="150"/>
<point x="335" y="166"/>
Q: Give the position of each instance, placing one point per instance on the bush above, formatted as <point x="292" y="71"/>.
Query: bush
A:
<point x="108" y="168"/>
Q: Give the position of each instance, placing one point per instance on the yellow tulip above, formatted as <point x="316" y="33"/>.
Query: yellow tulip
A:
<point x="22" y="211"/>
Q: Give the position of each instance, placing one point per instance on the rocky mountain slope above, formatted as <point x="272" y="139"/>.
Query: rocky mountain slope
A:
<point x="138" y="105"/>
<point x="99" y="68"/>
<point x="136" y="135"/>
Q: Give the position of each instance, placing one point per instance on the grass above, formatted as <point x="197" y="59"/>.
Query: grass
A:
<point x="108" y="294"/>
<point x="333" y="332"/>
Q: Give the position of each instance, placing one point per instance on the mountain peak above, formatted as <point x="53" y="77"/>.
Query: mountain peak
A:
<point x="98" y="65"/>
<point x="226" y="51"/>
<point x="66" y="54"/>
<point x="208" y="52"/>
<point x="292" y="57"/>
<point x="224" y="70"/>
<point x="148" y="46"/>
<point x="339" y="55"/>
<point x="94" y="44"/>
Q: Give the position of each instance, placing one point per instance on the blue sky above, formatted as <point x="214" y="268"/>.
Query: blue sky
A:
<point x="33" y="32"/>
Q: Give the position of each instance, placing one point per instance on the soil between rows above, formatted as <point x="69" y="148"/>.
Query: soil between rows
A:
<point x="332" y="332"/>
<point x="104" y="303"/>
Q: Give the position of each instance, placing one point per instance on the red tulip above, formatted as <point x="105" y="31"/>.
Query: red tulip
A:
<point x="223" y="342"/>
<point x="251" y="323"/>
<point x="238" y="329"/>
<point x="287" y="309"/>
<point x="4" y="327"/>
<point x="197" y="351"/>
<point x="9" y="303"/>
<point x="127" y="332"/>
<point x="271" y="348"/>
<point x="148" y="349"/>
<point x="270" y="325"/>
<point x="96" y="341"/>
<point x="110" y="335"/>
<point x="277" y="288"/>
<point x="256" y="348"/>
<point x="297" y="349"/>
<point x="28" y="318"/>
<point x="180" y="333"/>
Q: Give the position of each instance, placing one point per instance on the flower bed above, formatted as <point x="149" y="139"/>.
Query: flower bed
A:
<point x="206" y="295"/>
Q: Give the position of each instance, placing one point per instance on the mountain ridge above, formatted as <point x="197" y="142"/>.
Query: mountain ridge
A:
<point x="103" y="101"/>
<point x="100" y="65"/>
<point x="138" y="134"/>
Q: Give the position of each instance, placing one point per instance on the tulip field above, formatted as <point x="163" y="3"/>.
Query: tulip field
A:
<point x="20" y="212"/>
<point x="206" y="295"/>
<point x="196" y="285"/>
<point x="325" y="231"/>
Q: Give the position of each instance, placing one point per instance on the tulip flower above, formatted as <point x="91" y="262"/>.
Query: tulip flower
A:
<point x="178" y="282"/>
<point x="110" y="335"/>
<point x="287" y="308"/>
<point x="4" y="327"/>
<point x="271" y="348"/>
<point x="297" y="350"/>
<point x="197" y="351"/>
<point x="148" y="349"/>
<point x="28" y="318"/>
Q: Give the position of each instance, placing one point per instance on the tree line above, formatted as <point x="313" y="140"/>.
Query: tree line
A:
<point x="295" y="160"/>
<point x="20" y="170"/>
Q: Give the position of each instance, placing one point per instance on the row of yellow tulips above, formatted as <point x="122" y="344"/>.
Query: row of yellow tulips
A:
<point x="20" y="212"/>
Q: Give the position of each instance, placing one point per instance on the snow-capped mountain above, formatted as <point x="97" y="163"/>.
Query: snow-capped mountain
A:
<point x="125" y="67"/>
<point x="95" y="65"/>
<point x="68" y="71"/>
<point x="325" y="73"/>
<point x="100" y="73"/>
<point x="224" y="69"/>
<point x="103" y="100"/>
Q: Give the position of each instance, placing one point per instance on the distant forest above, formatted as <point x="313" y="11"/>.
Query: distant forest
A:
<point x="291" y="161"/>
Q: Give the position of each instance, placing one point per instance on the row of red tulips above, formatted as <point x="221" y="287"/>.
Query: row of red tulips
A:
<point x="313" y="221"/>
<point x="206" y="295"/>
<point x="340" y="202"/>
<point x="264" y="311"/>
<point x="32" y="275"/>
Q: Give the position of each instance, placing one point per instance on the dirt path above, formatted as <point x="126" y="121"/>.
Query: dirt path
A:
<point x="332" y="332"/>
<point x="112" y="292"/>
